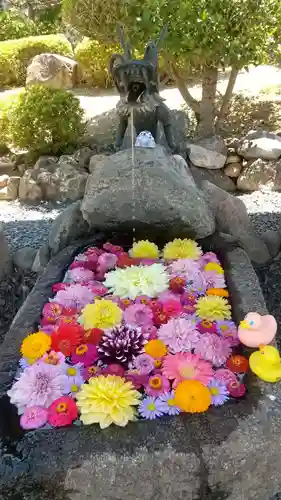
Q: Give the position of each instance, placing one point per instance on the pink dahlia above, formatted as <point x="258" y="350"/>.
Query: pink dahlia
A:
<point x="57" y="287"/>
<point x="80" y="275"/>
<point x="34" y="418"/>
<point x="190" y="270"/>
<point x="168" y="295"/>
<point x="144" y="364"/>
<point x="115" y="249"/>
<point x="138" y="315"/>
<point x="107" y="261"/>
<point x="179" y="335"/>
<point x="149" y="332"/>
<point x="187" y="366"/>
<point x="208" y="257"/>
<point x="224" y="375"/>
<point x="75" y="296"/>
<point x="172" y="308"/>
<point x="38" y="385"/>
<point x="97" y="288"/>
<point x="214" y="280"/>
<point x="213" y="348"/>
<point x="157" y="385"/>
<point x="86" y="354"/>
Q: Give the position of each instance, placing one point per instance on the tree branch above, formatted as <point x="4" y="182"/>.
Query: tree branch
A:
<point x="180" y="83"/>
<point x="227" y="96"/>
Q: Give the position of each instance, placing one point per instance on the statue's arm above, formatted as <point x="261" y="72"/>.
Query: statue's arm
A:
<point x="165" y="117"/>
<point x="121" y="130"/>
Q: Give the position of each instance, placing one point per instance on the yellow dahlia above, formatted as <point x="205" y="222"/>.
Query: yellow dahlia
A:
<point x="138" y="280"/>
<point x="192" y="397"/>
<point x="102" y="314"/>
<point x="182" y="249"/>
<point x="213" y="308"/>
<point x="107" y="400"/>
<point x="34" y="346"/>
<point x="213" y="266"/>
<point x="144" y="250"/>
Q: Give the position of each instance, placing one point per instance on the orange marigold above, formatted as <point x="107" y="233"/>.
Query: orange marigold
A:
<point x="192" y="397"/>
<point x="219" y="292"/>
<point x="156" y="348"/>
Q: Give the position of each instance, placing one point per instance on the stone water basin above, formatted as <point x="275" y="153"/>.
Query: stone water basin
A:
<point x="229" y="452"/>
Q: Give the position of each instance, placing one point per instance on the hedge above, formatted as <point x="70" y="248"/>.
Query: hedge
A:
<point x="14" y="25"/>
<point x="15" y="56"/>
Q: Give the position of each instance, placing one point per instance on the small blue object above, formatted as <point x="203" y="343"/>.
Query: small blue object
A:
<point x="145" y="140"/>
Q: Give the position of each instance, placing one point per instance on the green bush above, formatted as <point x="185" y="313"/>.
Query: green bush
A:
<point x="14" y="25"/>
<point x="93" y="58"/>
<point x="43" y="120"/>
<point x="15" y="55"/>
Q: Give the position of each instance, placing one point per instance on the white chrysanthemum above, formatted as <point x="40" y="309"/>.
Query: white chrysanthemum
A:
<point x="137" y="280"/>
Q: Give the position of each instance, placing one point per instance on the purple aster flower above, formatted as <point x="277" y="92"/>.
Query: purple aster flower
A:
<point x="149" y="408"/>
<point x="23" y="363"/>
<point x="144" y="364"/>
<point x="167" y="404"/>
<point x="47" y="329"/>
<point x="219" y="392"/>
<point x="228" y="330"/>
<point x="73" y="384"/>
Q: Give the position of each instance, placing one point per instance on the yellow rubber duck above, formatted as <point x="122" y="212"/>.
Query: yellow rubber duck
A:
<point x="266" y="363"/>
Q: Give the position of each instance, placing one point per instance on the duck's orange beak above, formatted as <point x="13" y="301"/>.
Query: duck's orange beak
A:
<point x="244" y="324"/>
<point x="261" y="347"/>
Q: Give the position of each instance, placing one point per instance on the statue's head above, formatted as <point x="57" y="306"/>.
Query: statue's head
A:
<point x="136" y="80"/>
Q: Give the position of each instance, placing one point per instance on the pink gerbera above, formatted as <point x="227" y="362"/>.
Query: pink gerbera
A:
<point x="75" y="296"/>
<point x="157" y="385"/>
<point x="213" y="348"/>
<point x="138" y="315"/>
<point x="187" y="366"/>
<point x="179" y="335"/>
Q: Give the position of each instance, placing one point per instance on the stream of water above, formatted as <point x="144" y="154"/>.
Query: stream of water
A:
<point x="133" y="174"/>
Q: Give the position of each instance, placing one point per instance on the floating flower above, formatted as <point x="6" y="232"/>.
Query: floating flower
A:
<point x="138" y="315"/>
<point x="136" y="378"/>
<point x="125" y="261"/>
<point x="177" y="284"/>
<point x="187" y="366"/>
<point x="75" y="296"/>
<point x="123" y="303"/>
<point x="149" y="408"/>
<point x="149" y="332"/>
<point x="54" y="358"/>
<point x="73" y="385"/>
<point x="144" y="250"/>
<point x="51" y="312"/>
<point x="34" y="417"/>
<point x="213" y="308"/>
<point x="38" y="385"/>
<point x="179" y="335"/>
<point x="172" y="308"/>
<point x="35" y="345"/>
<point x="66" y="338"/>
<point x="114" y="369"/>
<point x="236" y="389"/>
<point x="157" y="385"/>
<point x="167" y="404"/>
<point x="214" y="267"/>
<point x="86" y="354"/>
<point x="213" y="348"/>
<point x="143" y="299"/>
<point x="62" y="412"/>
<point x="121" y="345"/>
<point x="206" y="326"/>
<point x="208" y="257"/>
<point x="237" y="364"/>
<point x="229" y="331"/>
<point x="218" y="292"/>
<point x="107" y="261"/>
<point x="219" y="392"/>
<point x="192" y="396"/>
<point x="182" y="249"/>
<point x="189" y="270"/>
<point x="102" y="314"/>
<point x="224" y="375"/>
<point x="214" y="281"/>
<point x="144" y="364"/>
<point x="93" y="336"/>
<point x="91" y="371"/>
<point x="115" y="249"/>
<point x="79" y="275"/>
<point x="138" y="280"/>
<point x="160" y="317"/>
<point x="107" y="400"/>
<point x="156" y="348"/>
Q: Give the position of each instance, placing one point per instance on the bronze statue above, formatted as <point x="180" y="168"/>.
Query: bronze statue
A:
<point x="138" y="85"/>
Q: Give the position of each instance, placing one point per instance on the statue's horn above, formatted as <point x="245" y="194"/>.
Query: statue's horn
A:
<point x="115" y="61"/>
<point x="162" y="35"/>
<point x="125" y="46"/>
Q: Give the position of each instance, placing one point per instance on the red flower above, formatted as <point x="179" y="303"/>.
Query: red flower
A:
<point x="237" y="364"/>
<point x="93" y="336"/>
<point x="177" y="284"/>
<point x="62" y="412"/>
<point x="172" y="308"/>
<point x="236" y="389"/>
<point x="67" y="337"/>
<point x="125" y="261"/>
<point x="59" y="286"/>
<point x="160" y="318"/>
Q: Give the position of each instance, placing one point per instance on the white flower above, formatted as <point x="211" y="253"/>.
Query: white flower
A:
<point x="137" y="280"/>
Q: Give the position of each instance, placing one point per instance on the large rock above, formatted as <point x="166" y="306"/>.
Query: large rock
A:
<point x="5" y="255"/>
<point x="232" y="218"/>
<point x="154" y="195"/>
<point x="53" y="70"/>
<point x="55" y="181"/>
<point x="217" y="177"/>
<point x="260" y="144"/>
<point x="210" y="153"/>
<point x="67" y="227"/>
<point x="259" y="174"/>
<point x="24" y="258"/>
<point x="96" y="160"/>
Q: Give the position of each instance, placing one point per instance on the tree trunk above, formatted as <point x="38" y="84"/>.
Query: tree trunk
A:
<point x="30" y="11"/>
<point x="206" y="125"/>
<point x="227" y="96"/>
<point x="180" y="83"/>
